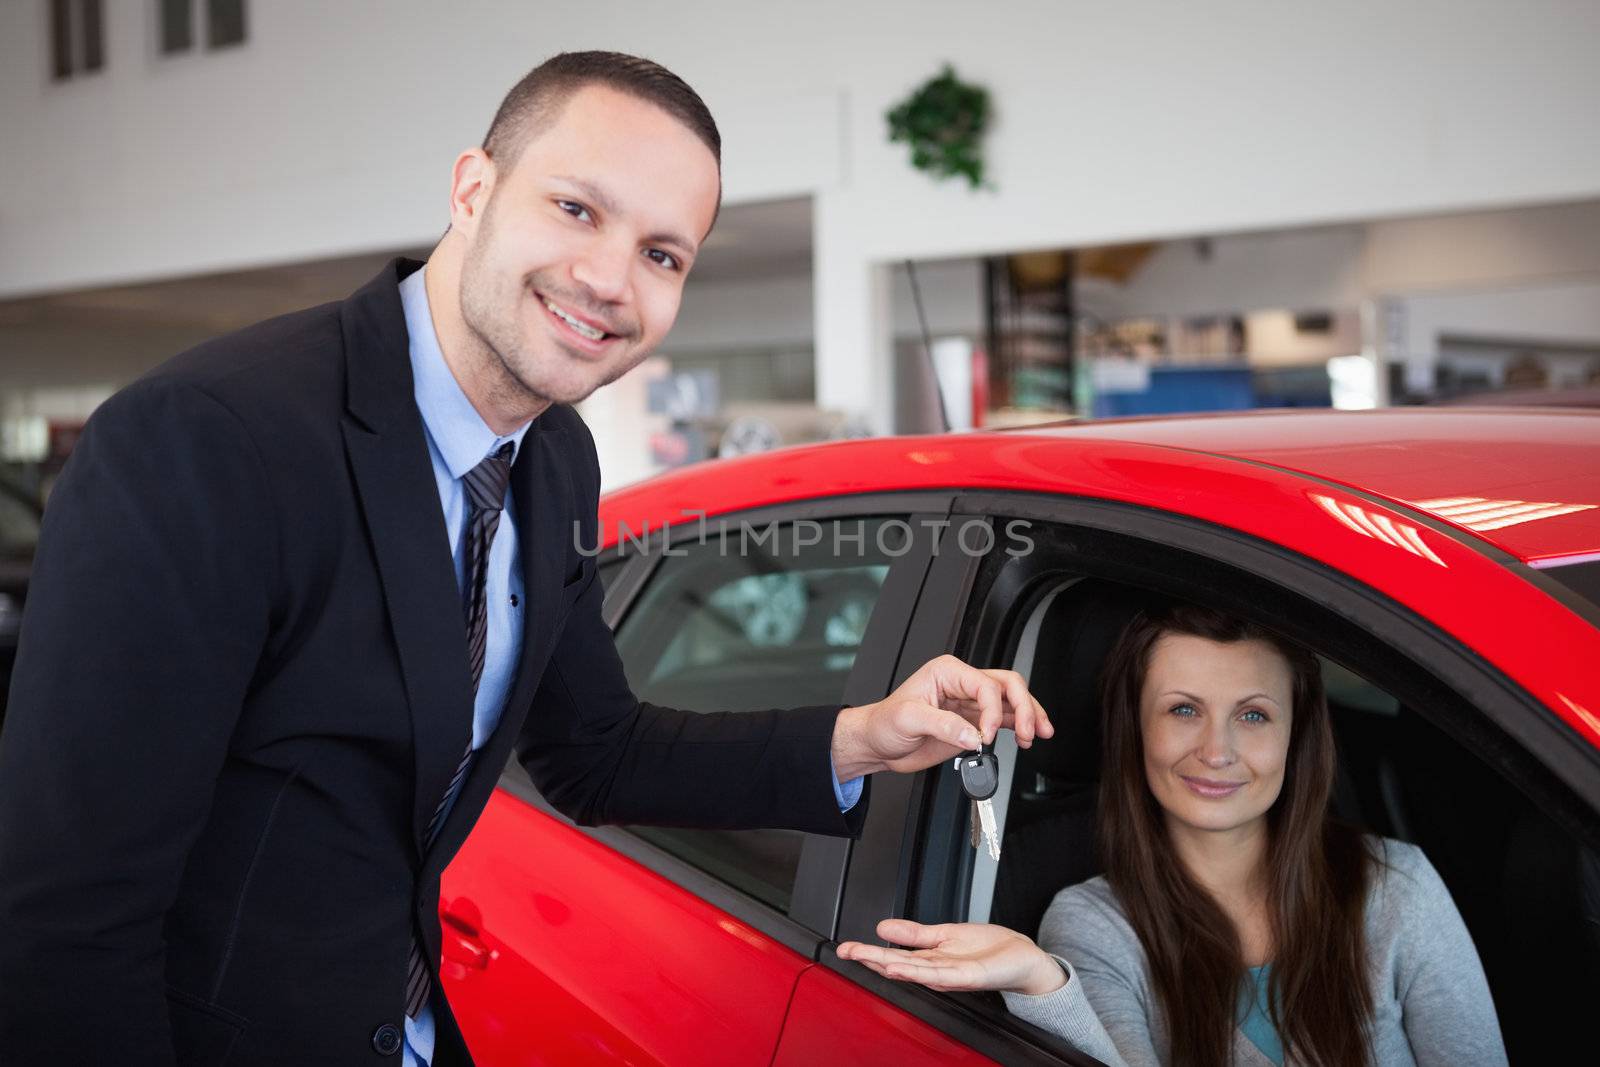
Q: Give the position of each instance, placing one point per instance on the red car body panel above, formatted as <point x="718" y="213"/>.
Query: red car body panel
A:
<point x="1344" y="489"/>
<point x="1424" y="457"/>
<point x="830" y="1017"/>
<point x="574" y="927"/>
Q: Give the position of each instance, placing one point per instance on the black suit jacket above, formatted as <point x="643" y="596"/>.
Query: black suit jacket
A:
<point x="242" y="687"/>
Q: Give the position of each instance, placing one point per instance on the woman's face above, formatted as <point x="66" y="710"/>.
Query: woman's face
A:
<point x="1215" y="720"/>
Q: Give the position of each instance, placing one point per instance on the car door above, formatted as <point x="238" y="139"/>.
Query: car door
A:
<point x="1438" y="747"/>
<point x="844" y="1014"/>
<point x="648" y="945"/>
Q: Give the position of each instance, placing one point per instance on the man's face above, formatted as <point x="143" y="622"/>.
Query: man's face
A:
<point x="575" y="269"/>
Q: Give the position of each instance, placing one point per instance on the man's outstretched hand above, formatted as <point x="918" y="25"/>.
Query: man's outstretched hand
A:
<point x="936" y="714"/>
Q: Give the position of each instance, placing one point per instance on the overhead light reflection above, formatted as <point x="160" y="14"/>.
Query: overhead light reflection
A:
<point x="1581" y="712"/>
<point x="1477" y="513"/>
<point x="1376" y="525"/>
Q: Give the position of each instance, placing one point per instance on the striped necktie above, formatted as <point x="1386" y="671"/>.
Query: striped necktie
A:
<point x="486" y="493"/>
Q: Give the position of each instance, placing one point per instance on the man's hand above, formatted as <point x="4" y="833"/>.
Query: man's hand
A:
<point x="936" y="714"/>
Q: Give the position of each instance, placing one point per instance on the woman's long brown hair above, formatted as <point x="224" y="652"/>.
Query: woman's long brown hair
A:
<point x="1316" y="876"/>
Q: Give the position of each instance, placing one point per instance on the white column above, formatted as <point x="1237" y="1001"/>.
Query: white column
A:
<point x="1375" y="347"/>
<point x="854" y="337"/>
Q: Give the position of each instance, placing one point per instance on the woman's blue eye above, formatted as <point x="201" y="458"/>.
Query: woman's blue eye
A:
<point x="575" y="209"/>
<point x="1184" y="710"/>
<point x="665" y="259"/>
<point x="1253" y="715"/>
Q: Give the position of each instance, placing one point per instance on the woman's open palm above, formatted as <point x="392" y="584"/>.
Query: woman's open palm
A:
<point x="959" y="956"/>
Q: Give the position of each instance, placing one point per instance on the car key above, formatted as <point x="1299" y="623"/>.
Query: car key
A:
<point x="980" y="777"/>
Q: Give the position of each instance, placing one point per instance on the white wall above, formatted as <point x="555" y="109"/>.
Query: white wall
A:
<point x="1326" y="267"/>
<point x="1298" y="270"/>
<point x="1547" y="243"/>
<point x="332" y="130"/>
<point x="1566" y="314"/>
<point x="1556" y="315"/>
<point x="766" y="312"/>
<point x="1530" y="276"/>
<point x="778" y="312"/>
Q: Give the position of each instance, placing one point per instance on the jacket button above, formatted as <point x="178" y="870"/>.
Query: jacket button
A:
<point x="386" y="1039"/>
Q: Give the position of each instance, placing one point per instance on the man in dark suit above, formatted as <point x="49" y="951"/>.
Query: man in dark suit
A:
<point x="248" y="727"/>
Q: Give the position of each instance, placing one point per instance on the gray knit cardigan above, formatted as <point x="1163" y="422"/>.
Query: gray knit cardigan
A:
<point x="1431" y="1001"/>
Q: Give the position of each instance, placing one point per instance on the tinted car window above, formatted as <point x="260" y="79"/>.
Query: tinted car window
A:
<point x="762" y="619"/>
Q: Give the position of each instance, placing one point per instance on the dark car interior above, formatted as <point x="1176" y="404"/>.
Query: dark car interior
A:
<point x="1528" y="890"/>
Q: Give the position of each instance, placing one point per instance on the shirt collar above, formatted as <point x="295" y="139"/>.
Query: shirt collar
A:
<point x="458" y="431"/>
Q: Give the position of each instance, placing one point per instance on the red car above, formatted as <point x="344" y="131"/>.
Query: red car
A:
<point x="1444" y="563"/>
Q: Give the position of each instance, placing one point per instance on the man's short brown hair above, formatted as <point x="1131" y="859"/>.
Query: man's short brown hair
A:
<point x="536" y="101"/>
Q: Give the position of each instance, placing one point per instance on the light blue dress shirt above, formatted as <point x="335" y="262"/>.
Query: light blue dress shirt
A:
<point x="458" y="440"/>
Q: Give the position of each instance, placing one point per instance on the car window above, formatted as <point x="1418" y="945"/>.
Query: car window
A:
<point x="755" y="618"/>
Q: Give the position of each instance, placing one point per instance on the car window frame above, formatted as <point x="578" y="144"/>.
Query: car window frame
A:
<point x="884" y="860"/>
<point x="813" y="912"/>
<point x="1509" y="707"/>
<point x="951" y="620"/>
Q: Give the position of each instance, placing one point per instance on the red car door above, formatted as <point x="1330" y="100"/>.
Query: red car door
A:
<point x="844" y="1014"/>
<point x="559" y="950"/>
<point x="670" y="946"/>
<point x="834" y="1021"/>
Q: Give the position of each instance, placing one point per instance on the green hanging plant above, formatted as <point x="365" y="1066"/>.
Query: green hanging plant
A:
<point x="944" y="122"/>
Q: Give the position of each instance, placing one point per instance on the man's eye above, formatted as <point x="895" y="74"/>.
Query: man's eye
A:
<point x="576" y="210"/>
<point x="665" y="259"/>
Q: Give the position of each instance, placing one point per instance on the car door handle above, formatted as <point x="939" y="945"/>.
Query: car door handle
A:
<point x="462" y="939"/>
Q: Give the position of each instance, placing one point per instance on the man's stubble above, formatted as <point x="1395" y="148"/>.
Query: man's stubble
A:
<point x="506" y="364"/>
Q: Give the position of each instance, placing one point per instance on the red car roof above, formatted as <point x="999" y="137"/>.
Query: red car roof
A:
<point x="1527" y="481"/>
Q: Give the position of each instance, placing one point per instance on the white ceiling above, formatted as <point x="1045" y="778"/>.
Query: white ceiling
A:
<point x="763" y="240"/>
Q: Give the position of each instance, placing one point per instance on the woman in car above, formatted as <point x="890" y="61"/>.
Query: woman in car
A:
<point x="1236" y="923"/>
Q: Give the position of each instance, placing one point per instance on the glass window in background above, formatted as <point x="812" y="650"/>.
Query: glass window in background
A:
<point x="225" y="24"/>
<point x="77" y="38"/>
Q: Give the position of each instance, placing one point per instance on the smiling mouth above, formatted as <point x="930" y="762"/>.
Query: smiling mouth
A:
<point x="582" y="327"/>
<point x="1207" y="788"/>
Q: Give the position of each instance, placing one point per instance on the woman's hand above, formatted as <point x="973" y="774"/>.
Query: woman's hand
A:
<point x="959" y="956"/>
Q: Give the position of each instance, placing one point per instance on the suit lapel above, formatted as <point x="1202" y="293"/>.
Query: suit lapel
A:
<point x="388" y="456"/>
<point x="541" y="495"/>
